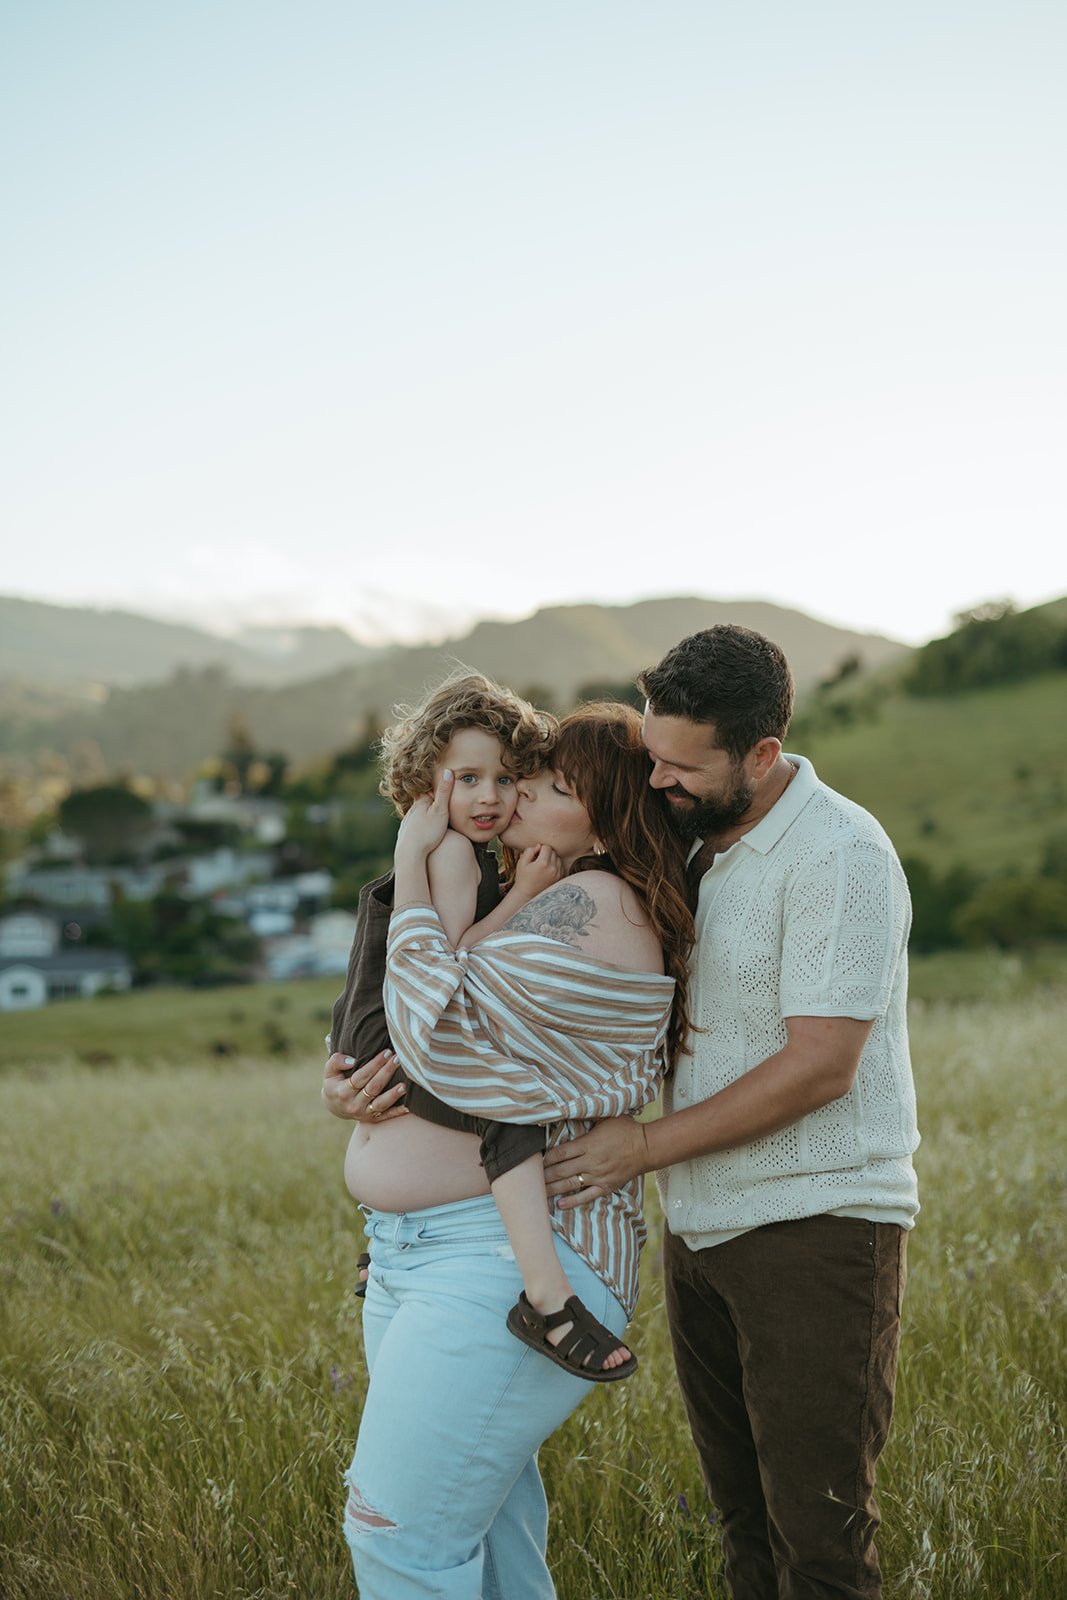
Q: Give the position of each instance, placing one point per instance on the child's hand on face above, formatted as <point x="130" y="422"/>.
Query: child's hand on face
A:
<point x="538" y="868"/>
<point x="425" y="824"/>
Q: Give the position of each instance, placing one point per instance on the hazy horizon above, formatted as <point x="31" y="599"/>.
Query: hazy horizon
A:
<point x="238" y="629"/>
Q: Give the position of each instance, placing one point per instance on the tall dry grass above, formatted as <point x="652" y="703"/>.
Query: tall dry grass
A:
<point x="180" y="1367"/>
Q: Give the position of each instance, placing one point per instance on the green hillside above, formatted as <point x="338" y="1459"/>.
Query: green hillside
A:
<point x="979" y="778"/>
<point x="170" y="728"/>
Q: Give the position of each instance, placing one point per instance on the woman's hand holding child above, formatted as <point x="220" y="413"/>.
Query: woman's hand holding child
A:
<point x="362" y="1095"/>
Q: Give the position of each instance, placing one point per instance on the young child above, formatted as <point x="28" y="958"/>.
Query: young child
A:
<point x="487" y="737"/>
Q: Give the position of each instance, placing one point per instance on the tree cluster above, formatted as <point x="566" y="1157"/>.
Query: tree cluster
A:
<point x="174" y="940"/>
<point x="992" y="644"/>
<point x="109" y="821"/>
<point x="242" y="768"/>
<point x="960" y="909"/>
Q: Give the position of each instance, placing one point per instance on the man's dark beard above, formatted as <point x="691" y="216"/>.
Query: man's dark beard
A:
<point x="703" y="819"/>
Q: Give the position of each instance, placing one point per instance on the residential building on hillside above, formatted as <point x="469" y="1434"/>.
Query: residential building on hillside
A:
<point x="38" y="966"/>
<point x="323" y="949"/>
<point x="196" y="876"/>
<point x="258" y="815"/>
<point x="305" y="894"/>
<point x="84" y="886"/>
<point x="202" y="875"/>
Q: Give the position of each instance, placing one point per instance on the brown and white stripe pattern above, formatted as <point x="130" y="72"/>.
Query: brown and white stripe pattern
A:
<point x="523" y="1029"/>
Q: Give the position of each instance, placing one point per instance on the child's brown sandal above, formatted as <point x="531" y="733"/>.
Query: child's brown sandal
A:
<point x="582" y="1350"/>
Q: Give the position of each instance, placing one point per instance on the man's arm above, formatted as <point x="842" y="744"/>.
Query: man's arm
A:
<point x="817" y="1065"/>
<point x="826" y="963"/>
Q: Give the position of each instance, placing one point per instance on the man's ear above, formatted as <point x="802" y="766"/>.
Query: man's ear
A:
<point x="764" y="755"/>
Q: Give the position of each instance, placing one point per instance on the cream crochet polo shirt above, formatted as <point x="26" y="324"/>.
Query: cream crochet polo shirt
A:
<point x="806" y="915"/>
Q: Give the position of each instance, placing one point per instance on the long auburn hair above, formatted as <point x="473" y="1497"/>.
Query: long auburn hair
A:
<point x="600" y="753"/>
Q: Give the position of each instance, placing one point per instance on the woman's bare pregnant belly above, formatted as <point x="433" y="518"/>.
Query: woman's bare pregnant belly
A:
<point x="406" y="1164"/>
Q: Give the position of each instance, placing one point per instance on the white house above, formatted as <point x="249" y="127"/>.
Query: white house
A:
<point x="322" y="950"/>
<point x="36" y="966"/>
<point x="304" y="894"/>
<point x="206" y="874"/>
<point x="259" y="815"/>
<point x="84" y="886"/>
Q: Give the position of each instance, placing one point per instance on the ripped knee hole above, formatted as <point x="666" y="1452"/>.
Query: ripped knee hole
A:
<point x="362" y="1514"/>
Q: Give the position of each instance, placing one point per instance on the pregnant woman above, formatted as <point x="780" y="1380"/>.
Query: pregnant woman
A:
<point x="571" y="1012"/>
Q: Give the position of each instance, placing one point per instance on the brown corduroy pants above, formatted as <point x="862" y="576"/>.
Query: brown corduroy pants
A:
<point x="785" y="1340"/>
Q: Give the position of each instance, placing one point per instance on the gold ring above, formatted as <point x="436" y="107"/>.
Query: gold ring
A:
<point x="365" y="1095"/>
<point x="581" y="1181"/>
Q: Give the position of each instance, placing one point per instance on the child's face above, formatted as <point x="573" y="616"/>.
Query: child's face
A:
<point x="483" y="790"/>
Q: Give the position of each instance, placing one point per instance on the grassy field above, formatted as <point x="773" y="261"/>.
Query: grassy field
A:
<point x="170" y="1027"/>
<point x="979" y="778"/>
<point x="255" y="1023"/>
<point x="180" y="1368"/>
<point x="248" y="1024"/>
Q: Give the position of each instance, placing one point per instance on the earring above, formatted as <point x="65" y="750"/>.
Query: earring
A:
<point x="598" y="849"/>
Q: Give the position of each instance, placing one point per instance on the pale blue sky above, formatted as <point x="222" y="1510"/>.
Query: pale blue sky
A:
<point x="488" y="306"/>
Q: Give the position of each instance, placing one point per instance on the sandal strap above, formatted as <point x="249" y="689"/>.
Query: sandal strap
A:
<point x="579" y="1348"/>
<point x="542" y="1321"/>
<point x="587" y="1339"/>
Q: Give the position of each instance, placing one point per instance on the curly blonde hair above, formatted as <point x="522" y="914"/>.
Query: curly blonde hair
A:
<point x="412" y="747"/>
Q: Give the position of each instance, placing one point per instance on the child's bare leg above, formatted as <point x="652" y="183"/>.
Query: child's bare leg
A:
<point x="520" y="1199"/>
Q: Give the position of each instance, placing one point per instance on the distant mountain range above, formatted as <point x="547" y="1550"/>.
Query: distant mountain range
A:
<point x="112" y="690"/>
<point x="72" y="645"/>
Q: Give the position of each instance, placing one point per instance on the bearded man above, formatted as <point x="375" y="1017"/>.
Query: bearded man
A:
<point x="784" y="1151"/>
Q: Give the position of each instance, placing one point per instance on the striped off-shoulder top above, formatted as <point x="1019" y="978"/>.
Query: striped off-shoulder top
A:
<point x="524" y="1029"/>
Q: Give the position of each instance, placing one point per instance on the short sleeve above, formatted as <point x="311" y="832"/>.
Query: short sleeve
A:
<point x="845" y="929"/>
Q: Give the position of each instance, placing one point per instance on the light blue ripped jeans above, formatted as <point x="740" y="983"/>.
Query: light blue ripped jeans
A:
<point x="445" y="1500"/>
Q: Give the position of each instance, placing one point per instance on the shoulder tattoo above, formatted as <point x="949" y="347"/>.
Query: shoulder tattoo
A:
<point x="562" y="913"/>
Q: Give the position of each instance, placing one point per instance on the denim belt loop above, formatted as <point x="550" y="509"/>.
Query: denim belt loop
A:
<point x="408" y="1228"/>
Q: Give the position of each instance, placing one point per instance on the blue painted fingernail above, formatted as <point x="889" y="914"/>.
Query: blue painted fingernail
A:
<point x="350" y="1061"/>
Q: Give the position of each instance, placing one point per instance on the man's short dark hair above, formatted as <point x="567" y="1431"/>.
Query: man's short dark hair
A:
<point x="729" y="676"/>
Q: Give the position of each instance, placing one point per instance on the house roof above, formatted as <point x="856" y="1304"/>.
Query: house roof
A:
<point x="75" y="962"/>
